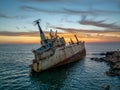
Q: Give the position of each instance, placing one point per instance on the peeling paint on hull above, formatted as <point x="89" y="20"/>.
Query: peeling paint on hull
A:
<point x="78" y="56"/>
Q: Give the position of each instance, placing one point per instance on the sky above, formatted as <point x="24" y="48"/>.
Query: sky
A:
<point x="90" y="20"/>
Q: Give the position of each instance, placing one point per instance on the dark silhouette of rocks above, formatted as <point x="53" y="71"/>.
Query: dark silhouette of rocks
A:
<point x="113" y="59"/>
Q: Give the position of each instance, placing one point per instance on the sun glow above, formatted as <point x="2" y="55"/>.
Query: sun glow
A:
<point x="87" y="37"/>
<point x="19" y="40"/>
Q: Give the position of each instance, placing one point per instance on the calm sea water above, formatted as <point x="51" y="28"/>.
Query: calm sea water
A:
<point x="83" y="75"/>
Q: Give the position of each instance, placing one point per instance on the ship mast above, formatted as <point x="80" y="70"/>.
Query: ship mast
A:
<point x="42" y="36"/>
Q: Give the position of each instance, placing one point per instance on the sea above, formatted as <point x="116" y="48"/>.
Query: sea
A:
<point x="85" y="74"/>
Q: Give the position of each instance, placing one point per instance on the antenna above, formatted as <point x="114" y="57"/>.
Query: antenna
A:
<point x="37" y="21"/>
<point x="42" y="36"/>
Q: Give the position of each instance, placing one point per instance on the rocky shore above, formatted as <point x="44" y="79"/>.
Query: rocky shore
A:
<point x="113" y="59"/>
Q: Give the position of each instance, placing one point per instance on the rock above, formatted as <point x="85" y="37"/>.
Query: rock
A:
<point x="109" y="73"/>
<point x="109" y="53"/>
<point x="97" y="59"/>
<point x="113" y="72"/>
<point x="107" y="87"/>
<point x="113" y="59"/>
<point x="113" y="56"/>
<point x="102" y="53"/>
<point x="92" y="58"/>
<point x="117" y="66"/>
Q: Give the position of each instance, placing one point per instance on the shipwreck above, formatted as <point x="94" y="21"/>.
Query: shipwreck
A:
<point x="55" y="52"/>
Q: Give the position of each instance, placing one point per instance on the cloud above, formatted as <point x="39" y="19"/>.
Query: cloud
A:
<point x="92" y="11"/>
<point x="88" y="36"/>
<point x="6" y="16"/>
<point x="91" y="35"/>
<point x="36" y="33"/>
<point x="31" y="34"/>
<point x="70" y="30"/>
<point x="100" y="23"/>
<point x="30" y="8"/>
<point x="79" y="11"/>
<point x="98" y="11"/>
<point x="68" y="11"/>
<point x="11" y="17"/>
<point x="62" y="11"/>
<point x="73" y="30"/>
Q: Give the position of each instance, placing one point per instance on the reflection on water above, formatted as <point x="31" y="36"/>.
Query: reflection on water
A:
<point x="82" y="75"/>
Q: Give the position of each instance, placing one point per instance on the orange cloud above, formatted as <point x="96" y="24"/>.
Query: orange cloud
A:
<point x="33" y="37"/>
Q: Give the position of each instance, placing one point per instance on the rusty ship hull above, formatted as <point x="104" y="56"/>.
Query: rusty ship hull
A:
<point x="63" y="55"/>
<point x="76" y="57"/>
<point x="55" y="52"/>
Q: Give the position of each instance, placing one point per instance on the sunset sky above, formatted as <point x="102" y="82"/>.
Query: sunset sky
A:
<point x="91" y="20"/>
